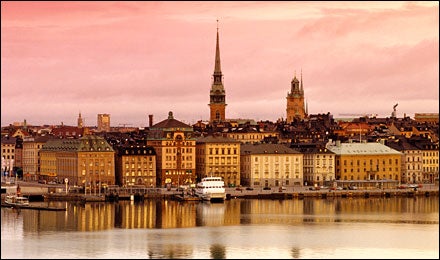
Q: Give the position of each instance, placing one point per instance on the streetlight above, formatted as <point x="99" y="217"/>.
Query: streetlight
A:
<point x="66" y="181"/>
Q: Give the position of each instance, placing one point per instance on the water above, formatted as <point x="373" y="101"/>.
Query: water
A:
<point x="238" y="228"/>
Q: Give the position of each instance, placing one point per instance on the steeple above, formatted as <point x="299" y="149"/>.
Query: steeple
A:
<point x="217" y="69"/>
<point x="302" y="89"/>
<point x="217" y="94"/>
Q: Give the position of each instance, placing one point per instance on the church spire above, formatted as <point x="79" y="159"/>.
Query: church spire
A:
<point x="217" y="94"/>
<point x="217" y="69"/>
<point x="302" y="88"/>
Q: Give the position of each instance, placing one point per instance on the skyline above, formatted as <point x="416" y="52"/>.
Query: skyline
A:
<point x="132" y="59"/>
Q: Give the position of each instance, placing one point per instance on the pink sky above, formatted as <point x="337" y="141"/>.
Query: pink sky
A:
<point x="132" y="59"/>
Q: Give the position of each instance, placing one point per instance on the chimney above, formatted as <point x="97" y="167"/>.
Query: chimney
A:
<point x="150" y="117"/>
<point x="338" y="143"/>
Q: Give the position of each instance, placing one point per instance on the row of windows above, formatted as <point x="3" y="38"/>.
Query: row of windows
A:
<point x="222" y="151"/>
<point x="137" y="158"/>
<point x="139" y="166"/>
<point x="183" y="143"/>
<point x="430" y="153"/>
<point x="96" y="163"/>
<point x="413" y="167"/>
<point x="182" y="150"/>
<point x="266" y="159"/>
<point x="390" y="177"/>
<point x="139" y="152"/>
<point x="173" y="165"/>
<point x="390" y="161"/>
<point x="83" y="172"/>
<point x="8" y="150"/>
<point x="222" y="160"/>
<point x="358" y="170"/>
<point x="187" y="172"/>
<point x="139" y="173"/>
<point x="174" y="158"/>
<point x="430" y="161"/>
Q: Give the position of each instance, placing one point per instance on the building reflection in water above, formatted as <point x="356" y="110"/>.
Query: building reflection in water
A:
<point x="217" y="251"/>
<point x="295" y="252"/>
<point x="168" y="214"/>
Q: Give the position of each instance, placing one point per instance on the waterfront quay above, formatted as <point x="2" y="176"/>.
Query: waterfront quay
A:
<point x="58" y="193"/>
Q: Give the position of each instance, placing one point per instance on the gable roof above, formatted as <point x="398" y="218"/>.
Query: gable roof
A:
<point x="170" y="122"/>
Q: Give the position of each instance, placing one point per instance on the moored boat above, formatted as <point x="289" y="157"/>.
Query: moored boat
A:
<point x="211" y="188"/>
<point x="17" y="201"/>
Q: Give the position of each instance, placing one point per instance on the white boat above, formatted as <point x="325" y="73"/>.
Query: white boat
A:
<point x="211" y="188"/>
<point x="17" y="201"/>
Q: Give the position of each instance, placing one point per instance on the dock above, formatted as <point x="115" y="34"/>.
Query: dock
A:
<point x="34" y="207"/>
<point x="186" y="197"/>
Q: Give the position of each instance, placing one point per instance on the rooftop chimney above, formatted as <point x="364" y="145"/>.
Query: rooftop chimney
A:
<point x="150" y="117"/>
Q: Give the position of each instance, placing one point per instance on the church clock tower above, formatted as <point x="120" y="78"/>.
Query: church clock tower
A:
<point x="295" y="101"/>
<point x="217" y="95"/>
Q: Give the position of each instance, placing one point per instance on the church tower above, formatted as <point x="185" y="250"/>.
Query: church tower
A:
<point x="295" y="101"/>
<point x="217" y="95"/>
<point x="80" y="121"/>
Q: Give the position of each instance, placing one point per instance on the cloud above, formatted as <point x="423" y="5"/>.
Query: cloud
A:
<point x="130" y="59"/>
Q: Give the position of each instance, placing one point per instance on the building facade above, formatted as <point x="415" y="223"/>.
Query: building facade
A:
<point x="270" y="165"/>
<point x="251" y="136"/>
<point x="31" y="156"/>
<point x="88" y="162"/>
<point x="135" y="165"/>
<point x="175" y="147"/>
<point x="412" y="160"/>
<point x="319" y="164"/>
<point x="363" y="162"/>
<point x="8" y="156"/>
<point x="220" y="157"/>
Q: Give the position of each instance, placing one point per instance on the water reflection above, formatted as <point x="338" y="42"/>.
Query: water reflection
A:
<point x="165" y="214"/>
<point x="217" y="251"/>
<point x="234" y="229"/>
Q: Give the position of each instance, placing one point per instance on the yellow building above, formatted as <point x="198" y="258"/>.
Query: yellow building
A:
<point x="220" y="157"/>
<point x="175" y="148"/>
<point x="136" y="165"/>
<point x="88" y="161"/>
<point x="360" y="163"/>
<point x="251" y="136"/>
<point x="8" y="156"/>
<point x="430" y="158"/>
<point x="270" y="165"/>
<point x="31" y="156"/>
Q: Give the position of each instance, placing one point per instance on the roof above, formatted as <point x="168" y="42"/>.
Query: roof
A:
<point x="170" y="122"/>
<point x="266" y="149"/>
<point x="87" y="143"/>
<point x="216" y="139"/>
<point x="362" y="149"/>
<point x="135" y="150"/>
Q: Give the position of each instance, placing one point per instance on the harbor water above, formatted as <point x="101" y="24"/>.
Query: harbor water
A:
<point x="342" y="228"/>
